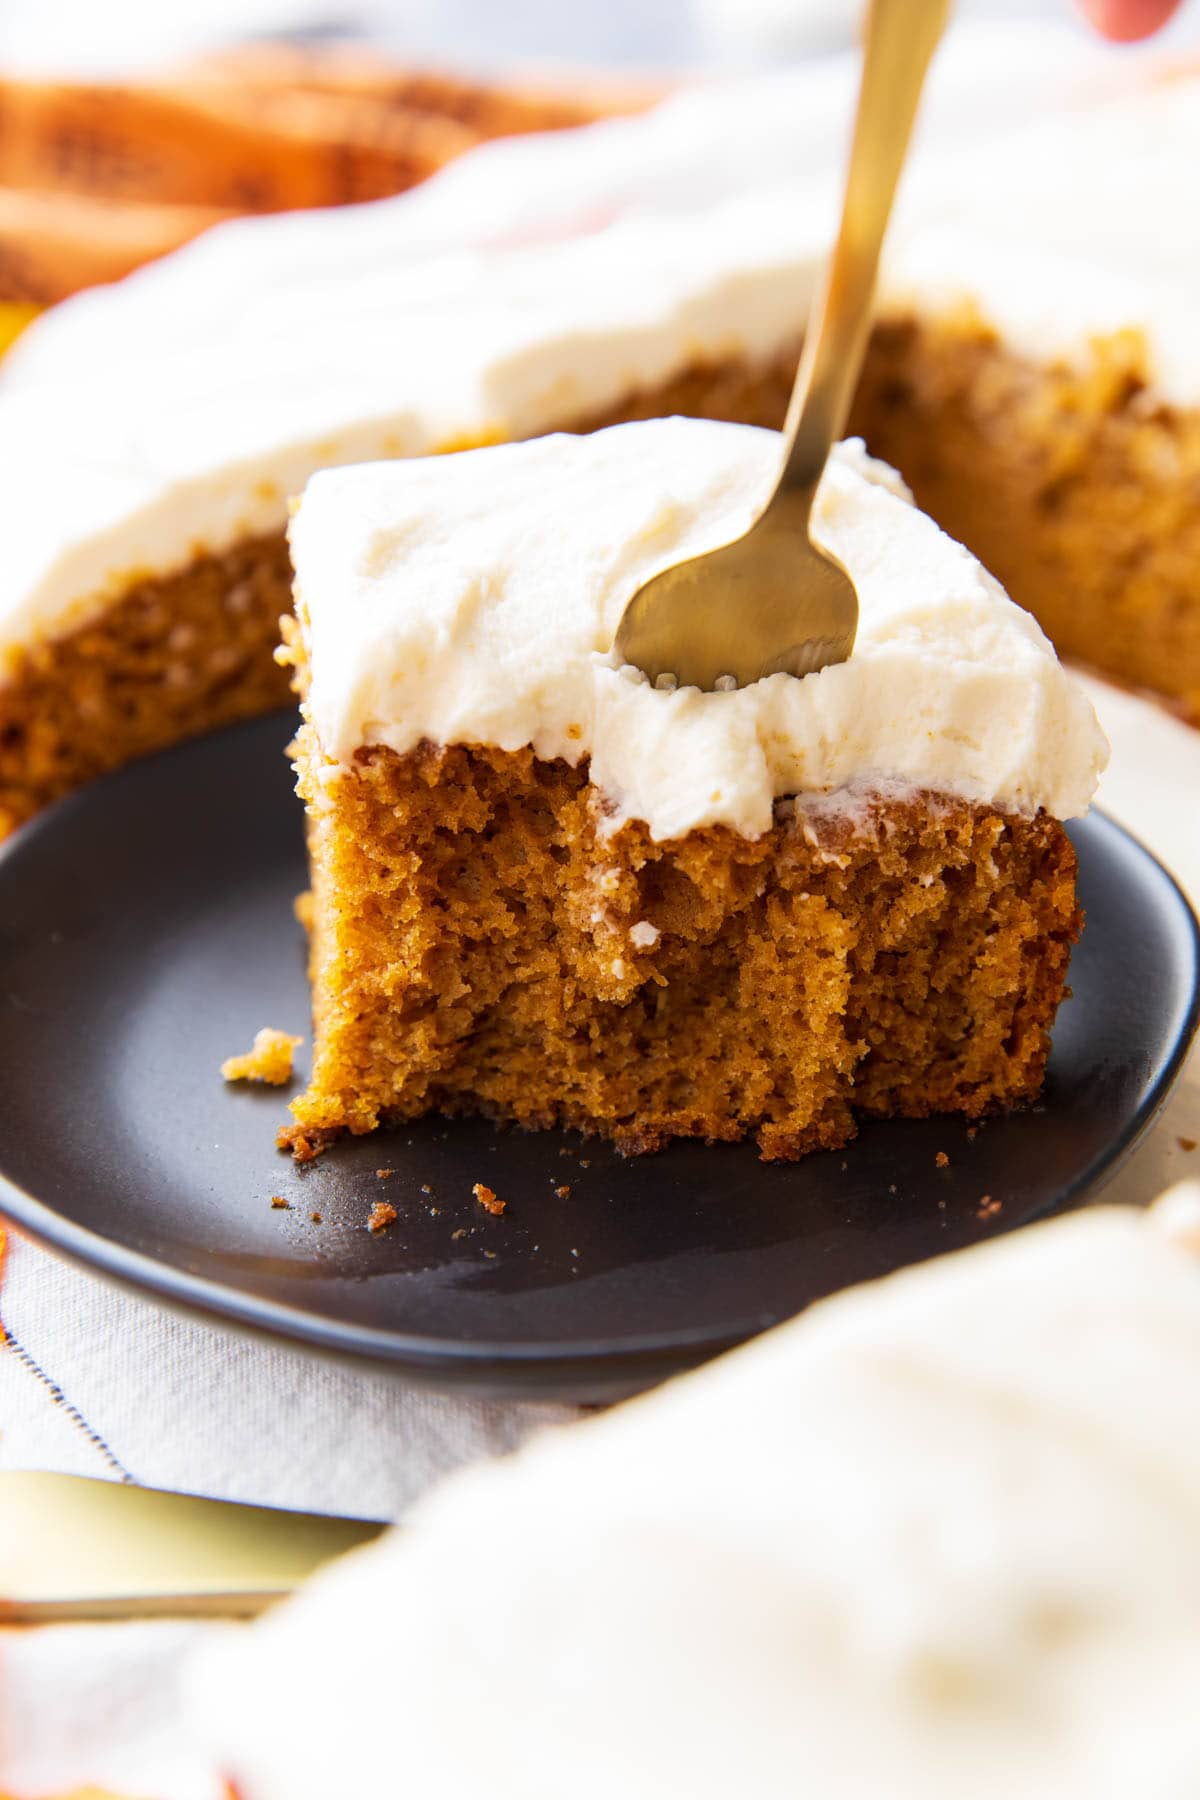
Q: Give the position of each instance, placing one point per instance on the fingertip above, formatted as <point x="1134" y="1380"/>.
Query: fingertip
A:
<point x="1127" y="21"/>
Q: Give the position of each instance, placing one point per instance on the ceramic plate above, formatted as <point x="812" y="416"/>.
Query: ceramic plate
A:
<point x="146" y="932"/>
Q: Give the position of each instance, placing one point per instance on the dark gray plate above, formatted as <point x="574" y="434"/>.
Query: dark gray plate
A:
<point x="146" y="932"/>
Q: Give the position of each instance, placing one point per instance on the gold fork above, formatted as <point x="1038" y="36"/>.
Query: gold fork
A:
<point x="772" y="599"/>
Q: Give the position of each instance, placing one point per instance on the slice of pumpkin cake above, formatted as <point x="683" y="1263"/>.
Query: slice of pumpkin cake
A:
<point x="547" y="891"/>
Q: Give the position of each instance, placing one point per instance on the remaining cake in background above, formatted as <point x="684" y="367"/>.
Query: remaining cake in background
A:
<point x="544" y="890"/>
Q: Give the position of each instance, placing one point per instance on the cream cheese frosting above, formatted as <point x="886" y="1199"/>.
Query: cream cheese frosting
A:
<point x="474" y="599"/>
<point x="936" y="1538"/>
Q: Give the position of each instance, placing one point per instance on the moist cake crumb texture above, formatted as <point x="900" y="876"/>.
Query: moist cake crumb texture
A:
<point x="175" y="656"/>
<point x="473" y="952"/>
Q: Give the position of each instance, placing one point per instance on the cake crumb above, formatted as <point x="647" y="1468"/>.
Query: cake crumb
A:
<point x="972" y="1132"/>
<point x="1186" y="1143"/>
<point x="304" y="1146"/>
<point x="316" y="1217"/>
<point x="302" y="907"/>
<point x="270" y="1060"/>
<point x="426" y="1189"/>
<point x="384" y="1174"/>
<point x="487" y="1199"/>
<point x="382" y="1214"/>
<point x="279" y="1203"/>
<point x="988" y="1208"/>
<point x="942" y="1160"/>
<point x="460" y="1233"/>
<point x="564" y="1192"/>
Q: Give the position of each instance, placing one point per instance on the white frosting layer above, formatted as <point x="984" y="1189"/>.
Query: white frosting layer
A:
<point x="474" y="599"/>
<point x="937" y="1538"/>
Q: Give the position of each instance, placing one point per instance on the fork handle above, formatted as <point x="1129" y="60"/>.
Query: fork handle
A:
<point x="901" y="37"/>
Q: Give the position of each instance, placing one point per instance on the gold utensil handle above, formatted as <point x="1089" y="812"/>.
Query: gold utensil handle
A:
<point x="75" y="1548"/>
<point x="902" y="36"/>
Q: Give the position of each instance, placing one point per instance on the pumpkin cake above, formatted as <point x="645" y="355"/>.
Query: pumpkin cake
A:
<point x="545" y="890"/>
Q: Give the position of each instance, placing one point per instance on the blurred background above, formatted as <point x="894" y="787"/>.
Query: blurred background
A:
<point x="81" y="36"/>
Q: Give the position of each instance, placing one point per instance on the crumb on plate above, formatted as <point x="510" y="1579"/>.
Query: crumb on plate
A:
<point x="270" y="1060"/>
